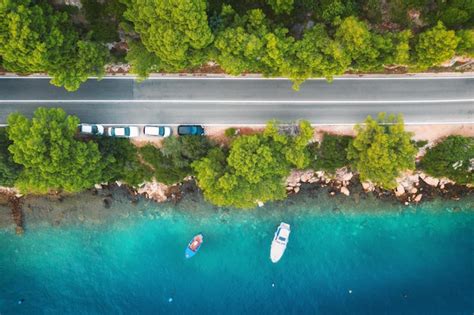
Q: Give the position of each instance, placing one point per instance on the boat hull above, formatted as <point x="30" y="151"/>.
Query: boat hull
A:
<point x="191" y="250"/>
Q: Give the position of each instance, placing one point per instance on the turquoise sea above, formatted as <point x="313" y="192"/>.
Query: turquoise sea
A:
<point x="342" y="258"/>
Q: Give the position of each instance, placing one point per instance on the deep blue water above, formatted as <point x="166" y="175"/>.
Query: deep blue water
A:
<point x="416" y="261"/>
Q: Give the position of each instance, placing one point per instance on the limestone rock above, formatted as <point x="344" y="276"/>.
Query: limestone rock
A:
<point x="260" y="204"/>
<point x="431" y="181"/>
<point x="413" y="190"/>
<point x="418" y="198"/>
<point x="296" y="190"/>
<point x="400" y="190"/>
<point x="368" y="186"/>
<point x="345" y="191"/>
<point x="98" y="186"/>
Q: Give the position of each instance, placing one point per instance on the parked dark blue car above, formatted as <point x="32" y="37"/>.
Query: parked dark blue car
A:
<point x="189" y="130"/>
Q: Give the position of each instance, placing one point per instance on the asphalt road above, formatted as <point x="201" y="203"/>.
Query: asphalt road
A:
<point x="246" y="101"/>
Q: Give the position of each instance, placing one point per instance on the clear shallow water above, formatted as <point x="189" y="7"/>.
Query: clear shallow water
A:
<point x="416" y="261"/>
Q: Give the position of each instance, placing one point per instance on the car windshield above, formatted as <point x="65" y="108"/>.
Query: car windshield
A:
<point x="95" y="129"/>
<point x="161" y="131"/>
<point x="127" y="131"/>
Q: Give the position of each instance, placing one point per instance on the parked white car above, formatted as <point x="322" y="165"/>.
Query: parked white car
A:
<point x="123" y="131"/>
<point x="91" y="129"/>
<point x="159" y="131"/>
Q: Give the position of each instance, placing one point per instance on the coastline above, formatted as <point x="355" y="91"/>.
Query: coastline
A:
<point x="114" y="204"/>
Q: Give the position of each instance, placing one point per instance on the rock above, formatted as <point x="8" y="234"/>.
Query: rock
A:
<point x="18" y="195"/>
<point x="313" y="180"/>
<point x="297" y="189"/>
<point x="306" y="176"/>
<point x="343" y="174"/>
<point x="98" y="186"/>
<point x="260" y="204"/>
<point x="319" y="174"/>
<point x="406" y="203"/>
<point x="399" y="191"/>
<point x="289" y="188"/>
<point x="431" y="181"/>
<point x="119" y="183"/>
<point x="332" y="193"/>
<point x="81" y="217"/>
<point x="155" y="191"/>
<point x="345" y="191"/>
<point x="368" y="186"/>
<point x="418" y="198"/>
<point x="413" y="190"/>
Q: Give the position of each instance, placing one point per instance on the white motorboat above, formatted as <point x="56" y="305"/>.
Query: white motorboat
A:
<point x="279" y="242"/>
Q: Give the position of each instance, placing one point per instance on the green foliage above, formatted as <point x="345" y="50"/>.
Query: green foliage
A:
<point x="331" y="154"/>
<point x="51" y="157"/>
<point x="382" y="149"/>
<point x="184" y="150"/>
<point x="9" y="170"/>
<point x="360" y="44"/>
<point x="164" y="169"/>
<point x="281" y="6"/>
<point x="456" y="13"/>
<point x="466" y="43"/>
<point x="255" y="167"/>
<point x="420" y="143"/>
<point x="249" y="45"/>
<point x="121" y="162"/>
<point x="336" y="10"/>
<point x="89" y="59"/>
<point x="230" y="132"/>
<point x="453" y="158"/>
<point x="175" y="30"/>
<point x="103" y="19"/>
<point x="35" y="38"/>
<point x="316" y="55"/>
<point x="141" y="60"/>
<point x="401" y="51"/>
<point x="435" y="46"/>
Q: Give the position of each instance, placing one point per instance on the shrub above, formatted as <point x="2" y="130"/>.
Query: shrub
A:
<point x="183" y="151"/>
<point x="381" y="150"/>
<point x="122" y="162"/>
<point x="453" y="158"/>
<point x="331" y="154"/>
<point x="164" y="169"/>
<point x="230" y="132"/>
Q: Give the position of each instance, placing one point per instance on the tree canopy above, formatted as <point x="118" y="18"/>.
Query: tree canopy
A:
<point x="453" y="158"/>
<point x="435" y="46"/>
<point x="254" y="168"/>
<point x="176" y="31"/>
<point x="51" y="157"/>
<point x="382" y="149"/>
<point x="36" y="38"/>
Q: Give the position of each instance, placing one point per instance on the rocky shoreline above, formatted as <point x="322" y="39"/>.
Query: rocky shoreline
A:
<point x="412" y="186"/>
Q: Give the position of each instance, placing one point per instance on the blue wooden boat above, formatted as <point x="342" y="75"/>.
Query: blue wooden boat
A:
<point x="193" y="246"/>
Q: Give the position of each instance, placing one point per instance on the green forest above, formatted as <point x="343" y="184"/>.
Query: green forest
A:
<point x="297" y="39"/>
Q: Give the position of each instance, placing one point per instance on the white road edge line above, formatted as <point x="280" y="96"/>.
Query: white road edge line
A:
<point x="244" y="101"/>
